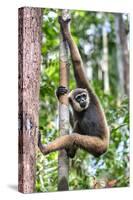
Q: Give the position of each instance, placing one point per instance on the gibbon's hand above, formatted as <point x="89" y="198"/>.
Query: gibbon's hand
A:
<point x="64" y="24"/>
<point x="61" y="90"/>
<point x="62" y="21"/>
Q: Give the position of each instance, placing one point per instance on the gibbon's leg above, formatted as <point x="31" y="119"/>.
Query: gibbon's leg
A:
<point x="80" y="76"/>
<point x="92" y="144"/>
<point x="63" y="142"/>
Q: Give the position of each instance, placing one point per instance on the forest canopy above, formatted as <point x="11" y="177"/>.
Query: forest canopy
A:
<point x="103" y="41"/>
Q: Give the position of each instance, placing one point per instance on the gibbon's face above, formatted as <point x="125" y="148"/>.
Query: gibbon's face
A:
<point x="79" y="99"/>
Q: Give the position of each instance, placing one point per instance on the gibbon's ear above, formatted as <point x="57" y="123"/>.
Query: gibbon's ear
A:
<point x="86" y="90"/>
<point x="70" y="100"/>
<point x="70" y="95"/>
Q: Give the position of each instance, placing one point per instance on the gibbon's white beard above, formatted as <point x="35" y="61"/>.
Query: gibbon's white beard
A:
<point x="76" y="106"/>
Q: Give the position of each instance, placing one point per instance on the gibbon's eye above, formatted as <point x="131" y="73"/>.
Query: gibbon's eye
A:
<point x="84" y="96"/>
<point x="78" y="98"/>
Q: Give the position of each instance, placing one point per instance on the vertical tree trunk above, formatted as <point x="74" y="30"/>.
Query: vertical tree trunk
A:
<point x="105" y="60"/>
<point x="63" y="161"/>
<point x="29" y="72"/>
<point x="119" y="56"/>
<point x="125" y="53"/>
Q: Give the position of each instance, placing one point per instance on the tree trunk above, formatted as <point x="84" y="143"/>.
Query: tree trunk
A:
<point x="29" y="73"/>
<point x="125" y="54"/>
<point x="63" y="161"/>
<point x="119" y="56"/>
<point x="105" y="60"/>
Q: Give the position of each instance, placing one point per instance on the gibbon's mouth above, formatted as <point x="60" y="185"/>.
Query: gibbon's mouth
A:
<point x="83" y="104"/>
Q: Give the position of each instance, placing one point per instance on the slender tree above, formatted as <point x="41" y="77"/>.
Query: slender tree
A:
<point x="63" y="161"/>
<point x="105" y="63"/>
<point x="29" y="72"/>
<point x="122" y="54"/>
<point x="120" y="67"/>
<point x="125" y="53"/>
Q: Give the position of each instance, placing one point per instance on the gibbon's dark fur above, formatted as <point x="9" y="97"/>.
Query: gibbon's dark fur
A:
<point x="90" y="130"/>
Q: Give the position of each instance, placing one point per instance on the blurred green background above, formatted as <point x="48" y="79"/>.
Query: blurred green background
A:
<point x="103" y="41"/>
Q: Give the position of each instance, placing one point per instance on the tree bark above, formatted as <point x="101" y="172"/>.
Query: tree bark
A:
<point x="63" y="161"/>
<point x="122" y="55"/>
<point x="29" y="45"/>
<point x="125" y="54"/>
<point x="120" y="66"/>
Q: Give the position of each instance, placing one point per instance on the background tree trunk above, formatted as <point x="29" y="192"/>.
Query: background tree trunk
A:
<point x="63" y="161"/>
<point x="105" y="60"/>
<point x="120" y="66"/>
<point x="29" y="72"/>
<point x="122" y="54"/>
<point x="125" y="53"/>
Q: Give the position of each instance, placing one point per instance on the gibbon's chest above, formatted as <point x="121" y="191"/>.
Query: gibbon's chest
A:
<point x="89" y="122"/>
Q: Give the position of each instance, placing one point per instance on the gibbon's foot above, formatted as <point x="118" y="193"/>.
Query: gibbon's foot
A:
<point x="41" y="146"/>
<point x="61" y="91"/>
<point x="71" y="152"/>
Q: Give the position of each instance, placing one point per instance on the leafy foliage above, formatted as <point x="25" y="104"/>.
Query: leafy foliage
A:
<point x="111" y="169"/>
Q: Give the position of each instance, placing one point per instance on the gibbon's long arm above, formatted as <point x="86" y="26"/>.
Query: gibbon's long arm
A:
<point x="79" y="73"/>
<point x="94" y="145"/>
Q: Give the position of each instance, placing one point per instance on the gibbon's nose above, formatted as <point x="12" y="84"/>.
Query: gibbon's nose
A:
<point x="82" y="104"/>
